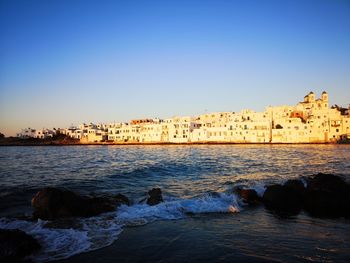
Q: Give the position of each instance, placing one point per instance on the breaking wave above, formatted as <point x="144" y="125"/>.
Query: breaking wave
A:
<point x="97" y="232"/>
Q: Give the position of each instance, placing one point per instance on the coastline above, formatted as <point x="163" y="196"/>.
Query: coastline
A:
<point x="11" y="141"/>
<point x="163" y="144"/>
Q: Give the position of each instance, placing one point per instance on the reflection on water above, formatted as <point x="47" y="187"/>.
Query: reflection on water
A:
<point x="179" y="170"/>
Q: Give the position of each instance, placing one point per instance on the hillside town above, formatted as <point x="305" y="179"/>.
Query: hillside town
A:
<point x="309" y="121"/>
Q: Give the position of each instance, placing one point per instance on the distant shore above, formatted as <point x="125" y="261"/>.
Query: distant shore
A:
<point x="66" y="141"/>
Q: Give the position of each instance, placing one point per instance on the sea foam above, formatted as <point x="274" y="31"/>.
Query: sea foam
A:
<point x="100" y="231"/>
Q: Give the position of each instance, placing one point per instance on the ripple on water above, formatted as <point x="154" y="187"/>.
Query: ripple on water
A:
<point x="194" y="179"/>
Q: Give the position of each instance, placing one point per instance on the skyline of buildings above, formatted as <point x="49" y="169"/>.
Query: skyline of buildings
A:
<point x="311" y="120"/>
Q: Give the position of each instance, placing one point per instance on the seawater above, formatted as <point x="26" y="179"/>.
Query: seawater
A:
<point x="196" y="181"/>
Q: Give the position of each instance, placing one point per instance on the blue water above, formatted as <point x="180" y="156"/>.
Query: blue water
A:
<point x="195" y="180"/>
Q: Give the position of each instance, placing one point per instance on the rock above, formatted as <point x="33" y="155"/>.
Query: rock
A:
<point x="275" y="197"/>
<point x="98" y="205"/>
<point x="327" y="195"/>
<point x="121" y="200"/>
<point x="51" y="203"/>
<point x="285" y="199"/>
<point x="249" y="196"/>
<point x="327" y="182"/>
<point x="296" y="185"/>
<point x="15" y="245"/>
<point x="155" y="196"/>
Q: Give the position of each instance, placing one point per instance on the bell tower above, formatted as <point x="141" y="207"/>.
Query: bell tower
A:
<point x="311" y="97"/>
<point x="324" y="98"/>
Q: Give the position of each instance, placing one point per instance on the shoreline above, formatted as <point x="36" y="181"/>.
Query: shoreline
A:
<point x="62" y="140"/>
<point x="12" y="144"/>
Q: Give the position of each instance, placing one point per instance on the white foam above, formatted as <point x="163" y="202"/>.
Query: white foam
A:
<point x="303" y="180"/>
<point x="176" y="209"/>
<point x="260" y="189"/>
<point x="56" y="243"/>
<point x="101" y="231"/>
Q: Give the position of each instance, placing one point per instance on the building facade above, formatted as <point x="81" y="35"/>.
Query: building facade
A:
<point x="309" y="121"/>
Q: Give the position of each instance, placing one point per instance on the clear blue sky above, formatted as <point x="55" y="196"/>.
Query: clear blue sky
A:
<point x="64" y="62"/>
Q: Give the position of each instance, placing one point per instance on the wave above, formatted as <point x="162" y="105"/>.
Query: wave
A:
<point x="100" y="231"/>
<point x="56" y="243"/>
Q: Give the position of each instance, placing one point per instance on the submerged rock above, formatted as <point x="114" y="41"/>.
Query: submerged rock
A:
<point x="15" y="245"/>
<point x="249" y="196"/>
<point x="327" y="195"/>
<point x="155" y="196"/>
<point x="285" y="199"/>
<point x="51" y="203"/>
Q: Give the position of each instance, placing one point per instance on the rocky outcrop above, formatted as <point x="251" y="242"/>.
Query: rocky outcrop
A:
<point x="51" y="203"/>
<point x="285" y="199"/>
<point x="155" y="196"/>
<point x="15" y="245"/>
<point x="249" y="196"/>
<point x="327" y="196"/>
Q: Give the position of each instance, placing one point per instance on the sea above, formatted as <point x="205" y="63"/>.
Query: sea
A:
<point x="201" y="218"/>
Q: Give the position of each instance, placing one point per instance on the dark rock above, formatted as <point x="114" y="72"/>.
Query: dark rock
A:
<point x="327" y="195"/>
<point x="15" y="245"/>
<point x="249" y="196"/>
<point x="51" y="203"/>
<point x="275" y="197"/>
<point x="285" y="199"/>
<point x="327" y="182"/>
<point x="121" y="200"/>
<point x="155" y="196"/>
<point x="98" y="205"/>
<point x="296" y="185"/>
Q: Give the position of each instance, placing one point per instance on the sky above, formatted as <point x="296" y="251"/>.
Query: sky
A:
<point x="67" y="62"/>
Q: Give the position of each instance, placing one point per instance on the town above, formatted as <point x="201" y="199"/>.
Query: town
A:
<point x="309" y="121"/>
